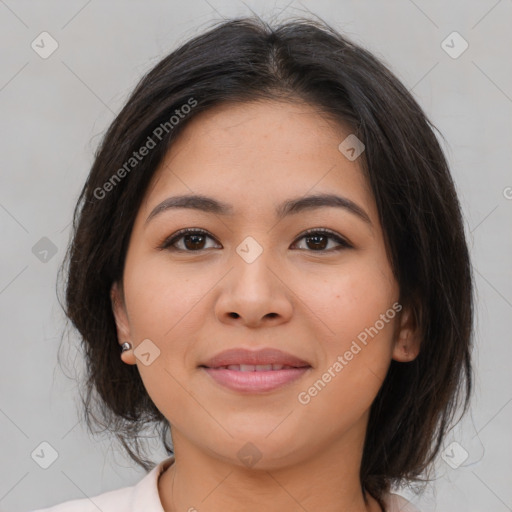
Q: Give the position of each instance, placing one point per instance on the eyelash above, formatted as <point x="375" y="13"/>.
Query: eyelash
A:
<point x="168" y="242"/>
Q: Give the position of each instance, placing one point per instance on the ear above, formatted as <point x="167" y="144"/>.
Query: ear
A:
<point x="407" y="337"/>
<point x="122" y="323"/>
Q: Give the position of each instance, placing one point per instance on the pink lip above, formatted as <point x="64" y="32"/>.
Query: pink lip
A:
<point x="254" y="357"/>
<point x="257" y="381"/>
<point x="254" y="381"/>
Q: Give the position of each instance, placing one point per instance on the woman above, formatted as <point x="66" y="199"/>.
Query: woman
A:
<point x="271" y="236"/>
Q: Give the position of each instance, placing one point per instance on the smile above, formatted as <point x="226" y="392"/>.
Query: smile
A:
<point x="255" y="368"/>
<point x="247" y="378"/>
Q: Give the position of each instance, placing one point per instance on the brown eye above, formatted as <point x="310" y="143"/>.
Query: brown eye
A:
<point x="318" y="239"/>
<point x="193" y="240"/>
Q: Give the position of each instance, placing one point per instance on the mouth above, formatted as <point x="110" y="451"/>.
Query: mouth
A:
<point x="250" y="371"/>
<point x="265" y="359"/>
<point x="256" y="367"/>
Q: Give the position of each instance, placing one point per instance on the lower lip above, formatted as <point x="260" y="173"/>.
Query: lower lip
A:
<point x="255" y="382"/>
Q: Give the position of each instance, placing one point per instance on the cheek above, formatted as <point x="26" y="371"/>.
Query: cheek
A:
<point x="350" y="298"/>
<point x="355" y="359"/>
<point x="359" y="307"/>
<point x="162" y="307"/>
<point x="164" y="299"/>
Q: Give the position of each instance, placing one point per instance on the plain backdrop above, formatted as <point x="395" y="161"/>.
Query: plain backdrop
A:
<point x="54" y="111"/>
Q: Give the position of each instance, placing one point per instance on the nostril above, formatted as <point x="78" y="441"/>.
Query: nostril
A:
<point x="234" y="315"/>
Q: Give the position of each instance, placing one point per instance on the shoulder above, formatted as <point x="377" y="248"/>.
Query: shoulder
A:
<point x="107" y="502"/>
<point x="141" y="496"/>
<point x="397" y="503"/>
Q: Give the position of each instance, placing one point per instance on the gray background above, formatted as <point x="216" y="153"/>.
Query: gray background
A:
<point x="54" y="111"/>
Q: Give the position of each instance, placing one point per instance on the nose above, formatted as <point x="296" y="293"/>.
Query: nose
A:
<point x="254" y="294"/>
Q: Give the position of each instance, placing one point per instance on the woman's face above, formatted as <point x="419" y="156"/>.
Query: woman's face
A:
<point x="254" y="281"/>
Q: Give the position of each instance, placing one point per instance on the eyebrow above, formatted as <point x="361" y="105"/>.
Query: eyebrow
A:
<point x="289" y="207"/>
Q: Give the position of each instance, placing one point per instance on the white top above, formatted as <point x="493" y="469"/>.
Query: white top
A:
<point x="144" y="496"/>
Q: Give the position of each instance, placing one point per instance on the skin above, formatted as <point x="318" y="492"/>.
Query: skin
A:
<point x="309" y="302"/>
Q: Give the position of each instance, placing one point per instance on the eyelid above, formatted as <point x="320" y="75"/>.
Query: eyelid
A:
<point x="168" y="241"/>
<point x="325" y="231"/>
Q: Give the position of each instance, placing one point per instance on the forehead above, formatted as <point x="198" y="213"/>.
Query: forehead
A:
<point x="259" y="153"/>
<point x="284" y="129"/>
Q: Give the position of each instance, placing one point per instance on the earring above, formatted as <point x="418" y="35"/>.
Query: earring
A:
<point x="125" y="346"/>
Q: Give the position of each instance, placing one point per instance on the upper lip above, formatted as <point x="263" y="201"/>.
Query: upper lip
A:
<point x="237" y="356"/>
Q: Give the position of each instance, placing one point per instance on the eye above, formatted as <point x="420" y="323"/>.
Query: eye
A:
<point x="194" y="240"/>
<point x="318" y="240"/>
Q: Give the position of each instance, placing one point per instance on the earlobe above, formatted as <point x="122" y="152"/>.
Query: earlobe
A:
<point x="408" y="342"/>
<point x="122" y="324"/>
<point x="128" y="356"/>
<point x="405" y="350"/>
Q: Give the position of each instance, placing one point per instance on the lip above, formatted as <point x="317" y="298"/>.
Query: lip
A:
<point x="225" y="368"/>
<point x="257" y="381"/>
<point x="265" y="356"/>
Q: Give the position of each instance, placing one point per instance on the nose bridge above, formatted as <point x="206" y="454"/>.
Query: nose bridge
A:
<point x="253" y="263"/>
<point x="254" y="291"/>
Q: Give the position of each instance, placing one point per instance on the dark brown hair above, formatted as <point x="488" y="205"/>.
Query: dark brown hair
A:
<point x="299" y="61"/>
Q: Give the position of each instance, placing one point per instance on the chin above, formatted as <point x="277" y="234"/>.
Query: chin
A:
<point x="264" y="449"/>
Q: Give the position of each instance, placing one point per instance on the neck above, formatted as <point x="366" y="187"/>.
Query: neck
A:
<point x="328" y="481"/>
